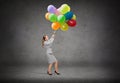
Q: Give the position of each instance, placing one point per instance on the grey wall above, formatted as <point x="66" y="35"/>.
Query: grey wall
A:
<point x="94" y="41"/>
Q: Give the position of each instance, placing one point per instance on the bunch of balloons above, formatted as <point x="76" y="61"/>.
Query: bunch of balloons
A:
<point x="61" y="18"/>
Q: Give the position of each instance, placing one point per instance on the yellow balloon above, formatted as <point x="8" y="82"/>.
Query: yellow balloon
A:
<point x="64" y="8"/>
<point x="74" y="17"/>
<point x="64" y="27"/>
<point x="47" y="16"/>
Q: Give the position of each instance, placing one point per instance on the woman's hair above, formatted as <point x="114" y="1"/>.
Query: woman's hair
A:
<point x="43" y="39"/>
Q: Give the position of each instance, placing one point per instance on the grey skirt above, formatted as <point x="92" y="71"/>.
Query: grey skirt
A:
<point x="51" y="58"/>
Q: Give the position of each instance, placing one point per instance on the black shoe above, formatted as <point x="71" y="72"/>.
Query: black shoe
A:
<point x="49" y="73"/>
<point x="57" y="73"/>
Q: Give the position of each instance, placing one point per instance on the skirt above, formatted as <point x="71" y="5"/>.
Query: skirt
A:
<point x="51" y="58"/>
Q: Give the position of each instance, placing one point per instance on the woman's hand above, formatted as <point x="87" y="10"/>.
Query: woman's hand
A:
<point x="54" y="32"/>
<point x="53" y="35"/>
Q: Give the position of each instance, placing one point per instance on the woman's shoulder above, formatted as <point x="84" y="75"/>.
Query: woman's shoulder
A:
<point x="45" y="42"/>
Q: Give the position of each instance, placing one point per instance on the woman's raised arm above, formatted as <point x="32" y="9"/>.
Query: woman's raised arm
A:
<point x="51" y="38"/>
<point x="53" y="35"/>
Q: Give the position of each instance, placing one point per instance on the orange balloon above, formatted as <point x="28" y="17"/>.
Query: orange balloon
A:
<point x="55" y="25"/>
<point x="47" y="15"/>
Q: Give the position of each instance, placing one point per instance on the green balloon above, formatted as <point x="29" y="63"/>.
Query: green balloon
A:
<point x="64" y="27"/>
<point x="61" y="18"/>
<point x="53" y="18"/>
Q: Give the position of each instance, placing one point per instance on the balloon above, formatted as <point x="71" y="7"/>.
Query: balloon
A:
<point x="61" y="18"/>
<point x="64" y="8"/>
<point x="57" y="12"/>
<point x="74" y="17"/>
<point x="59" y="9"/>
<point x="53" y="17"/>
<point x="47" y="15"/>
<point x="68" y="15"/>
<point x="71" y="22"/>
<point x="51" y="9"/>
<point x="55" y="26"/>
<point x="64" y="27"/>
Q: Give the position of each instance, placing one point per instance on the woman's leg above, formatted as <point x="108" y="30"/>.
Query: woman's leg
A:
<point x="56" y="66"/>
<point x="49" y="68"/>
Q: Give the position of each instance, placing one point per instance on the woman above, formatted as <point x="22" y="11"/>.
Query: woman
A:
<point x="47" y="43"/>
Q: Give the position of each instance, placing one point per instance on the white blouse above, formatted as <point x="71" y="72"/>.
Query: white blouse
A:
<point x="48" y="44"/>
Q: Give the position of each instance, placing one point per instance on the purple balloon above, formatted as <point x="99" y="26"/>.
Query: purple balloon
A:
<point x="51" y="9"/>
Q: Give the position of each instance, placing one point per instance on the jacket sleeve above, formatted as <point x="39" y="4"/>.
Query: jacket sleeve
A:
<point x="51" y="39"/>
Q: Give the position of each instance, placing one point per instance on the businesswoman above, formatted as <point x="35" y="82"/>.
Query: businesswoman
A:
<point x="47" y="44"/>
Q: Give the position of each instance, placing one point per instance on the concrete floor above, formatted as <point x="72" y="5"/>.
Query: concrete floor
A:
<point x="68" y="74"/>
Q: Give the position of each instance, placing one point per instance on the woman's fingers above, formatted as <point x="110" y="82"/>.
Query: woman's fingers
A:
<point x="54" y="32"/>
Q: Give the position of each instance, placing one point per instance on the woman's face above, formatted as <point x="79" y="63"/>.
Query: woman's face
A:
<point x="46" y="37"/>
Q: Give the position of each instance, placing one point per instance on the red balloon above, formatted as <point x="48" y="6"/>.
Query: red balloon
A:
<point x="71" y="22"/>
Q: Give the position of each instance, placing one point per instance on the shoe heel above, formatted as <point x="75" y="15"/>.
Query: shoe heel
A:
<point x="49" y="73"/>
<point x="57" y="73"/>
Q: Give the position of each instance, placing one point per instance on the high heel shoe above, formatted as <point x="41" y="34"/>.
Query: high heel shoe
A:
<point x="49" y="73"/>
<point x="57" y="73"/>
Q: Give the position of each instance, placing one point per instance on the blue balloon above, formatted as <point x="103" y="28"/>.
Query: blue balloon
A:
<point x="68" y="15"/>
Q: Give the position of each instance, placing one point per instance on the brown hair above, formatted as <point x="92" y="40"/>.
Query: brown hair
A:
<point x="43" y="39"/>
